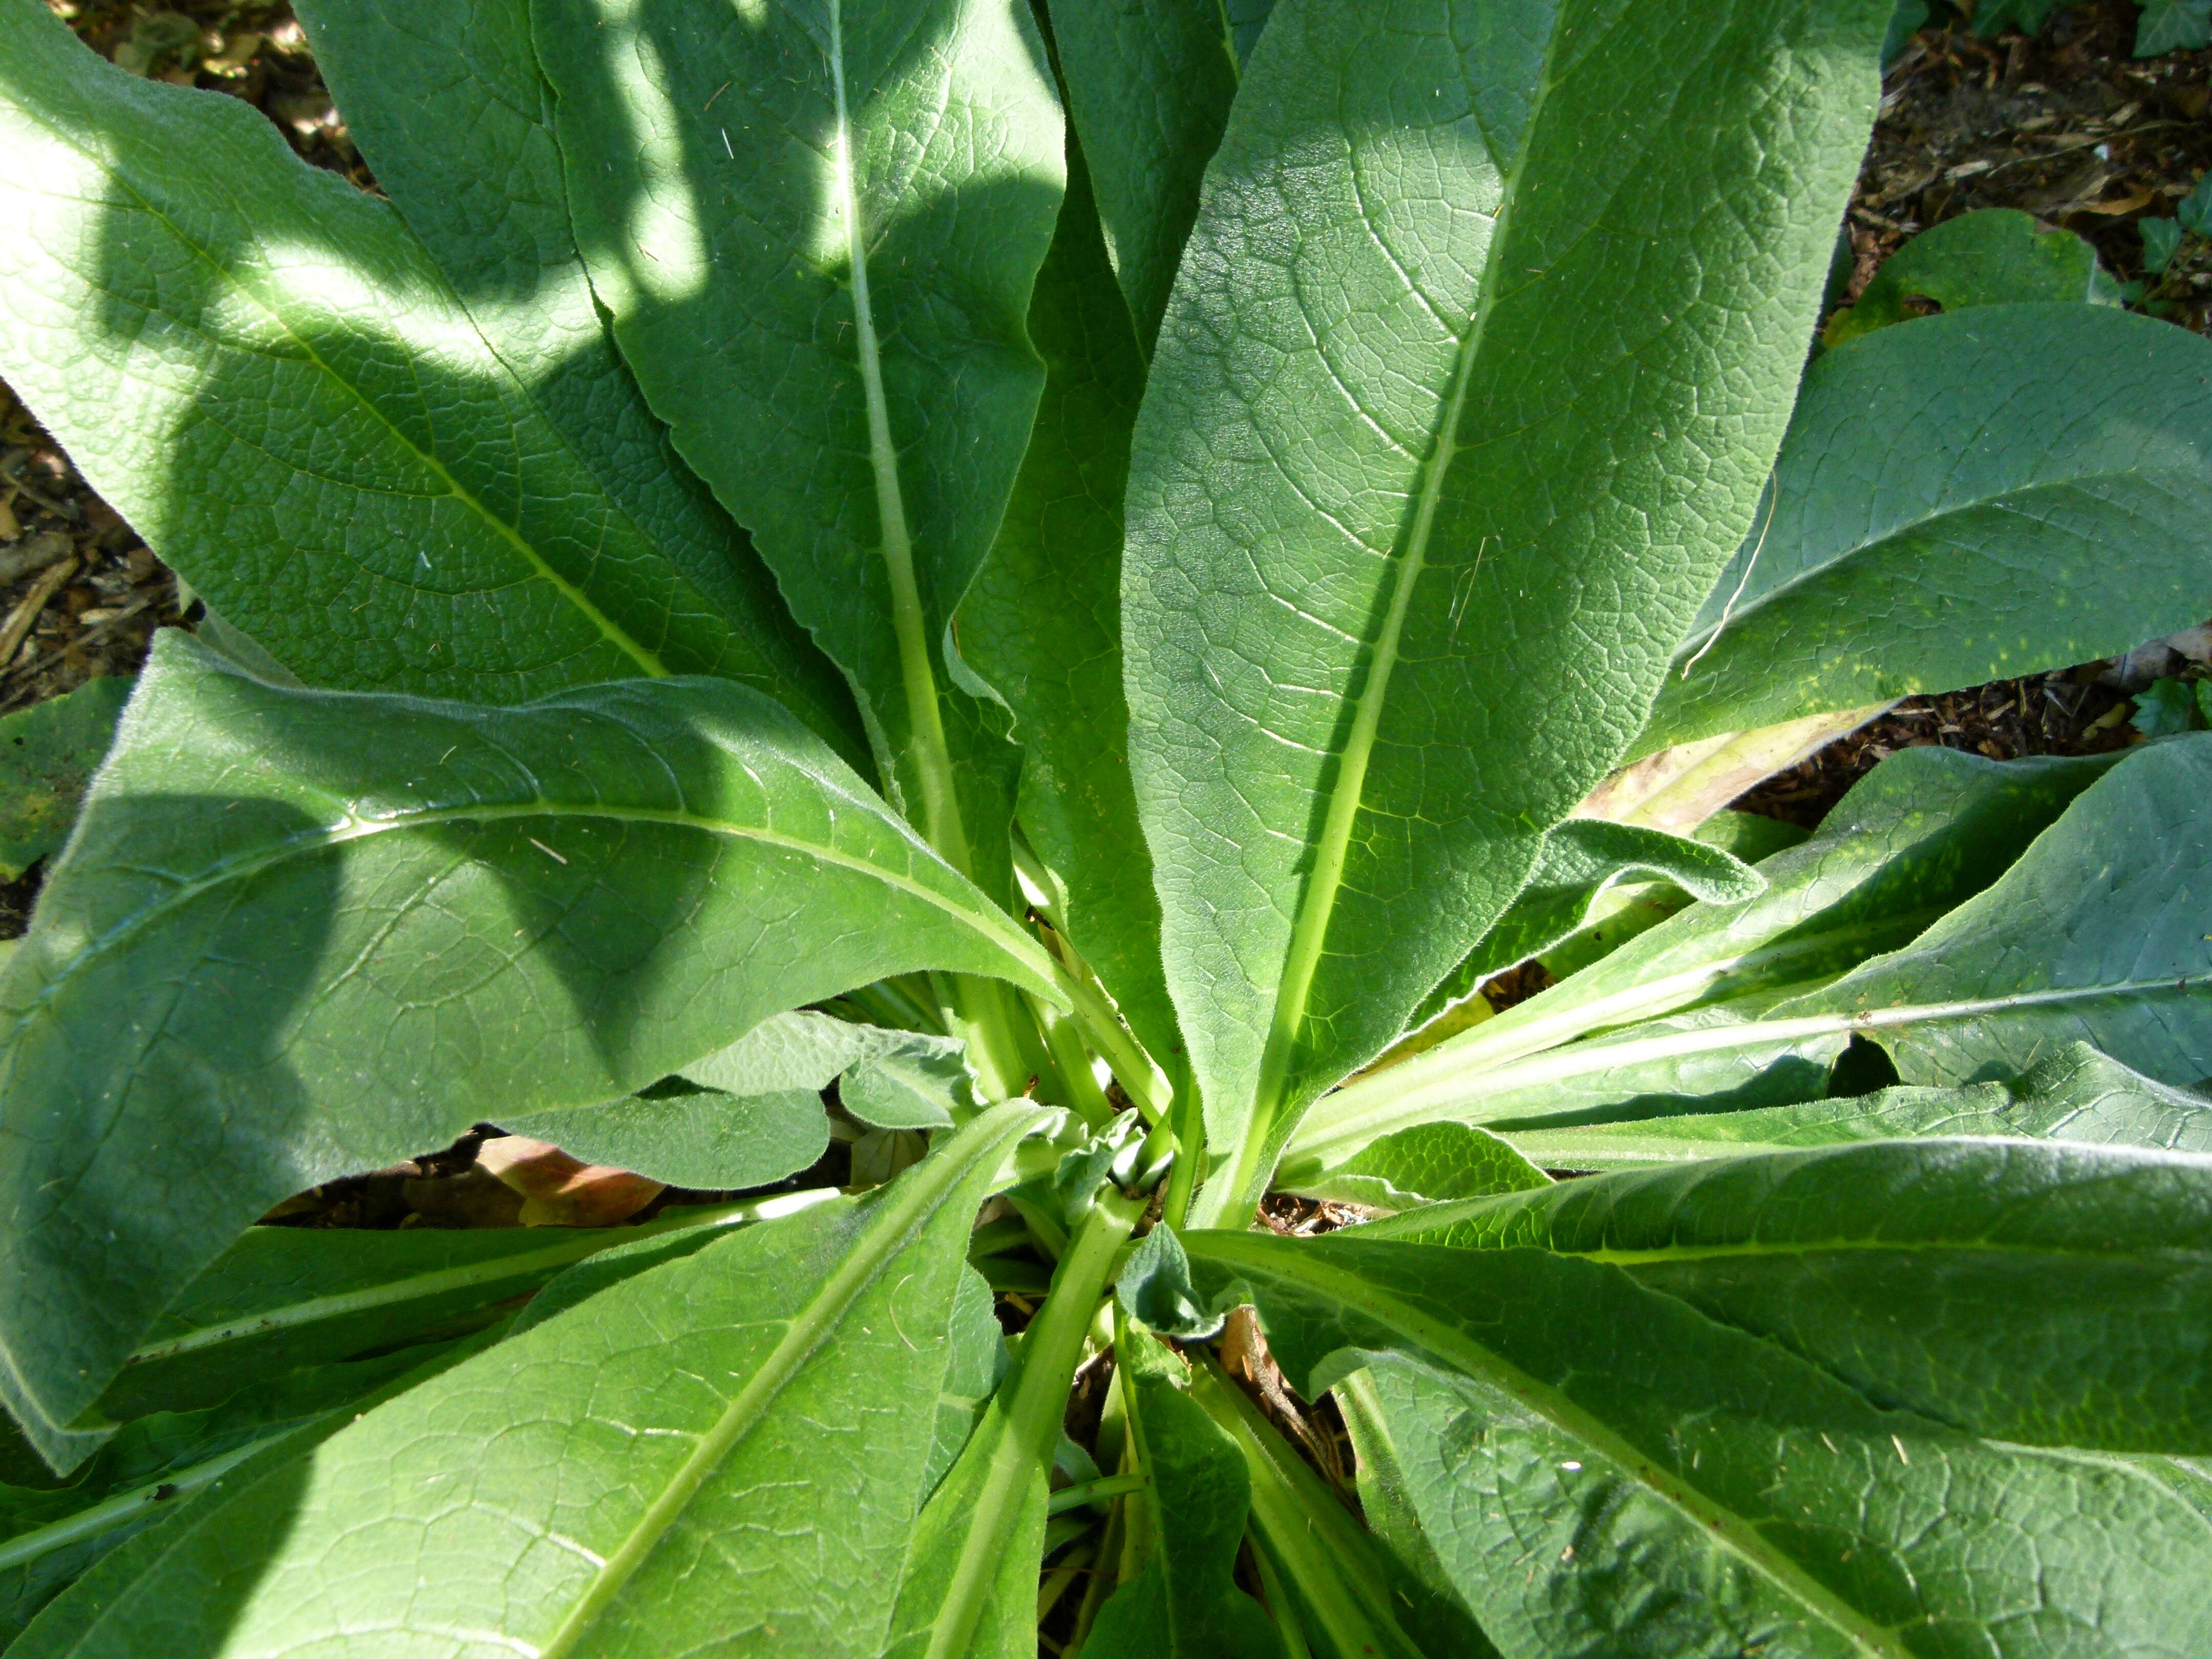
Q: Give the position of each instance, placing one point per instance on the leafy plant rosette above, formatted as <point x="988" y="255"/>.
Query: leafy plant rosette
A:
<point x="1206" y="599"/>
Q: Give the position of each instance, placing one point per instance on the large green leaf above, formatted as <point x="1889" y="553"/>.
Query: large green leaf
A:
<point x="50" y="1537"/>
<point x="1602" y="1468"/>
<point x="2088" y="1271"/>
<point x="1926" y="830"/>
<point x="450" y="108"/>
<point x="1443" y="251"/>
<point x="245" y="1442"/>
<point x="2077" y="1094"/>
<point x="1043" y="621"/>
<point x="1149" y="83"/>
<point x="299" y="934"/>
<point x="281" y="1297"/>
<point x="816" y="225"/>
<point x="1962" y="498"/>
<point x="725" y="1450"/>
<point x="319" y="440"/>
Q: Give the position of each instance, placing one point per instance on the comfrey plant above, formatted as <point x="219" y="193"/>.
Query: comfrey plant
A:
<point x="1251" y="525"/>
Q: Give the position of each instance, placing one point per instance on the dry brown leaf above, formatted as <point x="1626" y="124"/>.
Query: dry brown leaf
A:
<point x="561" y="1191"/>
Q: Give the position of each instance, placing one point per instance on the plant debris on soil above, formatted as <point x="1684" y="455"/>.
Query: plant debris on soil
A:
<point x="2065" y="124"/>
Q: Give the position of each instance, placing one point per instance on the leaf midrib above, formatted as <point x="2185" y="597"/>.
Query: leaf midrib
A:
<point x="1562" y="1064"/>
<point x="647" y="662"/>
<point x="984" y="919"/>
<point x="1731" y="1530"/>
<point x="930" y="756"/>
<point x="1498" y="1043"/>
<point x="420" y="1285"/>
<point x="1318" y="901"/>
<point x="904" y="1216"/>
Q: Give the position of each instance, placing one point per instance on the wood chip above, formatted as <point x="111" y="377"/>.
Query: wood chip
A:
<point x="28" y="609"/>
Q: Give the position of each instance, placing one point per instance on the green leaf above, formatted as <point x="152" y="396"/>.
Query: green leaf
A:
<point x="1149" y="84"/>
<point x="2194" y="209"/>
<point x="411" y="520"/>
<point x="2162" y="239"/>
<point x="2084" y="1267"/>
<point x="667" y="1472"/>
<point x="2079" y="941"/>
<point x="1926" y="830"/>
<point x="1042" y="622"/>
<point x="2164" y="707"/>
<point x="1997" y="256"/>
<point x="970" y="1582"/>
<point x="816" y="227"/>
<point x="1427" y="1164"/>
<point x="801" y="1049"/>
<point x="50" y="1537"/>
<point x="281" y="1297"/>
<point x="191" y="1510"/>
<point x="2173" y="26"/>
<point x="392" y="913"/>
<point x="2077" y="1094"/>
<point x="1184" y="1603"/>
<point x="1434" y="1614"/>
<point x="690" y="1136"/>
<point x="1339" y="588"/>
<point x="1582" y="860"/>
<point x="47" y="755"/>
<point x="1330" y="1576"/>
<point x="1604" y="1469"/>
<point x="1925" y="532"/>
<point x="452" y="113"/>
<point x="978" y="1362"/>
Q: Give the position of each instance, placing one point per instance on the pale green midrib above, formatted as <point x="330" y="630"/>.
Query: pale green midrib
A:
<point x="1736" y="1535"/>
<point x="1318" y="901"/>
<point x="614" y="634"/>
<point x="417" y="1287"/>
<point x="984" y="919"/>
<point x="932" y="759"/>
<point x="1485" y="1045"/>
<point x="1860" y="549"/>
<point x="1406" y="1106"/>
<point x="904" y="1218"/>
<point x="1662" y="1255"/>
<point x="112" y="1512"/>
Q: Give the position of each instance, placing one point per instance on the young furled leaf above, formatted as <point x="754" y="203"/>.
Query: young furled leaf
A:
<point x="1183" y="1603"/>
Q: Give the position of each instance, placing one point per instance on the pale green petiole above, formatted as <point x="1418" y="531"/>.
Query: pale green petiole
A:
<point x="1024" y="1419"/>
